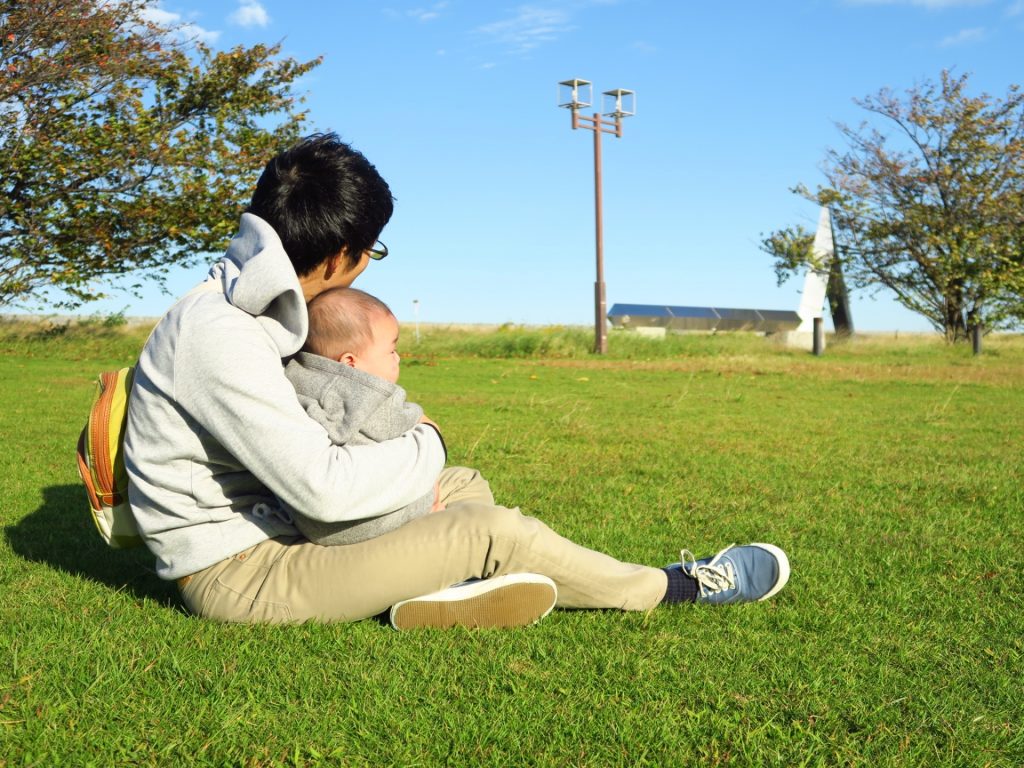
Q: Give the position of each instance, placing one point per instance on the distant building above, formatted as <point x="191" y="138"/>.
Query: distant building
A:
<point x="710" y="319"/>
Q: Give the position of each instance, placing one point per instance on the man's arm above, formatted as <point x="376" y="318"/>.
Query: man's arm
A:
<point x="232" y="382"/>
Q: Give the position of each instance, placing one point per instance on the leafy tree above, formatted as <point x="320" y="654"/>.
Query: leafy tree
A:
<point x="930" y="208"/>
<point x="126" y="147"/>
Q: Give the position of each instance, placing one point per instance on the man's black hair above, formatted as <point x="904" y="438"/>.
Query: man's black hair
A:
<point x="319" y="196"/>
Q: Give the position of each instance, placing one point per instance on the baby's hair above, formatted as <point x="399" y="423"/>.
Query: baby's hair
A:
<point x="341" y="320"/>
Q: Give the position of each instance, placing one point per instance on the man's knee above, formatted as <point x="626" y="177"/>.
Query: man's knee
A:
<point x="458" y="484"/>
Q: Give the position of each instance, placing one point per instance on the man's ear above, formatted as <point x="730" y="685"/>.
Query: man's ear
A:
<point x="333" y="264"/>
<point x="348" y="359"/>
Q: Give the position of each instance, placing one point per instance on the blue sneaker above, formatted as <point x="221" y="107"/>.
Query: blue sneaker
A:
<point x="737" y="574"/>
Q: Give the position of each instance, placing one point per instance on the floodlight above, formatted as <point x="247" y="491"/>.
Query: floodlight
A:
<point x="578" y="93"/>
<point x="619" y="103"/>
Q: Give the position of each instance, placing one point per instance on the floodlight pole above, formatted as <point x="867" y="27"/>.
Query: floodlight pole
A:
<point x="598" y="126"/>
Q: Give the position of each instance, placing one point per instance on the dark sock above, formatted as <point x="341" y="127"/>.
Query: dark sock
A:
<point x="681" y="588"/>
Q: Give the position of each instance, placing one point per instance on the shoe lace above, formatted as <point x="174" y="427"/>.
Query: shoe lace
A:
<point x="712" y="577"/>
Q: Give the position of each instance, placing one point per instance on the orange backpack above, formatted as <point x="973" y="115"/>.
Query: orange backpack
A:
<point x="101" y="460"/>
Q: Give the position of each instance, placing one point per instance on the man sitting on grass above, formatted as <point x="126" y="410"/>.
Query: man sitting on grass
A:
<point x="218" y="450"/>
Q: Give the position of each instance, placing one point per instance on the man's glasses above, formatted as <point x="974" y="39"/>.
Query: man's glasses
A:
<point x="379" y="251"/>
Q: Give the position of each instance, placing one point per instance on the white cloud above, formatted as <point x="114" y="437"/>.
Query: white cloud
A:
<point x="157" y="15"/>
<point x="528" y="29"/>
<point x="427" y="14"/>
<point x="964" y="37"/>
<point x="250" y="13"/>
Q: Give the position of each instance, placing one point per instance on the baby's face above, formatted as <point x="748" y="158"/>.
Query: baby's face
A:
<point x="380" y="357"/>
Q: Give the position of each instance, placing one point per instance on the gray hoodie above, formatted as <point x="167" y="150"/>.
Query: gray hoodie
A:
<point x="217" y="446"/>
<point x="355" y="407"/>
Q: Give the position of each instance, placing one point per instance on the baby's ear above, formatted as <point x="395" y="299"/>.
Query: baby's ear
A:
<point x="348" y="359"/>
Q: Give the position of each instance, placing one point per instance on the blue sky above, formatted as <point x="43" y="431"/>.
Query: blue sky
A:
<point x="456" y="103"/>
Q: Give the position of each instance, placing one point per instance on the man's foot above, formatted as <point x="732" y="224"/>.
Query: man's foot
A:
<point x="737" y="574"/>
<point x="513" y="600"/>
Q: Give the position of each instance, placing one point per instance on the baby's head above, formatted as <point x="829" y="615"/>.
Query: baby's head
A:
<point x="356" y="329"/>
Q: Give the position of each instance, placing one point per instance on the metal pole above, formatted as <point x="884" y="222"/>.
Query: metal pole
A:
<point x="600" y="327"/>
<point x="976" y="338"/>
<point x="819" y="337"/>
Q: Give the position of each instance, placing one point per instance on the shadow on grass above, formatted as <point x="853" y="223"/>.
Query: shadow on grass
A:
<point x="60" y="533"/>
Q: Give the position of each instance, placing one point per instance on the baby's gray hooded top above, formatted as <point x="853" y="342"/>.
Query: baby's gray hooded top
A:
<point x="217" y="446"/>
<point x="355" y="407"/>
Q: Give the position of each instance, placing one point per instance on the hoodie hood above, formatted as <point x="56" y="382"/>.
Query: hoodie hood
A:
<point x="258" y="278"/>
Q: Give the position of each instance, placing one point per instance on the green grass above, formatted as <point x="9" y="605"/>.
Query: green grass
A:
<point x="889" y="469"/>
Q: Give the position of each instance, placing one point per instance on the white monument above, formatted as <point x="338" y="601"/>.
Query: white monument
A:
<point x="812" y="301"/>
<point x="812" y="298"/>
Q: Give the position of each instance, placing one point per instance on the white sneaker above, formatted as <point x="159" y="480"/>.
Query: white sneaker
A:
<point x="513" y="600"/>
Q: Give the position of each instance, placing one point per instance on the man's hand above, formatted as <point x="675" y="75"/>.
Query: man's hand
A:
<point x="438" y="505"/>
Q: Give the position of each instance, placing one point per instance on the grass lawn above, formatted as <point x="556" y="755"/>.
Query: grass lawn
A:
<point x="889" y="469"/>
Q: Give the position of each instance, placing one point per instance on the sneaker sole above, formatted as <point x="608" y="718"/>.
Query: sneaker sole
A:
<point x="783" y="562"/>
<point x="502" y="602"/>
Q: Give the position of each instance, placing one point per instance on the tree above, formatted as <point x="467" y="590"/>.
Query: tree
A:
<point x="126" y="147"/>
<point x="931" y="208"/>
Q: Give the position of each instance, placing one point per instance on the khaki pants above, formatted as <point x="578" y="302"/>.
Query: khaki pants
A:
<point x="292" y="580"/>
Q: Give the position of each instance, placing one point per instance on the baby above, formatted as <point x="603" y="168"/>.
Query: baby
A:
<point x="346" y="379"/>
